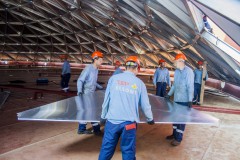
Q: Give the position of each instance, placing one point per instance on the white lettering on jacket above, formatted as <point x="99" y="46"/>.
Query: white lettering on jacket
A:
<point x="126" y="90"/>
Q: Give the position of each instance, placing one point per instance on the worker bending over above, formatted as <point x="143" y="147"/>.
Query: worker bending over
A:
<point x="124" y="93"/>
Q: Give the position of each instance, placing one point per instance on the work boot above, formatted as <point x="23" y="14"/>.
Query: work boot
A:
<point x="65" y="89"/>
<point x="85" y="132"/>
<point x="171" y="137"/>
<point x="195" y="102"/>
<point x="175" y="143"/>
<point x="98" y="133"/>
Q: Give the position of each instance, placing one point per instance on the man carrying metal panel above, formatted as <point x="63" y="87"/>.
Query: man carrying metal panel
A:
<point x="161" y="79"/>
<point x="87" y="83"/>
<point x="198" y="82"/>
<point x="66" y="74"/>
<point x="124" y="93"/>
<point x="117" y="68"/>
<point x="182" y="89"/>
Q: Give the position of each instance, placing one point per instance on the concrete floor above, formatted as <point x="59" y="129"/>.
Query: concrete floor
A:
<point x="26" y="140"/>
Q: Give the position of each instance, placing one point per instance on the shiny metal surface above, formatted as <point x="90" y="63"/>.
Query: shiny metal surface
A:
<point x="87" y="108"/>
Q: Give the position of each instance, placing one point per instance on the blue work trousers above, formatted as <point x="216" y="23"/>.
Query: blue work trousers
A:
<point x="112" y="133"/>
<point x="65" y="80"/>
<point x="161" y="89"/>
<point x="95" y="125"/>
<point x="178" y="129"/>
<point x="197" y="90"/>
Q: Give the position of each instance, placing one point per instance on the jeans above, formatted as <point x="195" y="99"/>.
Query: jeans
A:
<point x="161" y="89"/>
<point x="95" y="125"/>
<point x="197" y="90"/>
<point x="178" y="129"/>
<point x="127" y="132"/>
<point x="65" y="80"/>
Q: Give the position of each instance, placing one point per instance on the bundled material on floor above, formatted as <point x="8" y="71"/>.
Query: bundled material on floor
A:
<point x="17" y="81"/>
<point x="87" y="108"/>
<point x="42" y="81"/>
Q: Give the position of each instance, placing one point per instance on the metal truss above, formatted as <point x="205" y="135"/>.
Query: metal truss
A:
<point x="42" y="30"/>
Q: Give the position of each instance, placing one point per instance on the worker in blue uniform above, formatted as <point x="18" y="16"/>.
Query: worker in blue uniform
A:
<point x="206" y="23"/>
<point x="66" y="74"/>
<point x="117" y="68"/>
<point x="182" y="89"/>
<point x="124" y="94"/>
<point x="87" y="83"/>
<point x="198" y="82"/>
<point x="161" y="79"/>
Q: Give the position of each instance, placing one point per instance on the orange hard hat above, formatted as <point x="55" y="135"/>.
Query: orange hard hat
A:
<point x="180" y="56"/>
<point x="161" y="61"/>
<point x="65" y="56"/>
<point x="117" y="63"/>
<point x="97" y="54"/>
<point x="133" y="59"/>
<point x="200" y="62"/>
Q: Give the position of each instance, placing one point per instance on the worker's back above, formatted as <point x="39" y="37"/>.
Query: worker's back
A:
<point x="125" y="92"/>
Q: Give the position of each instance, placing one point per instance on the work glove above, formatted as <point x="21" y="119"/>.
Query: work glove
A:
<point x="102" y="122"/>
<point x="167" y="97"/>
<point x="101" y="88"/>
<point x="190" y="105"/>
<point x="151" y="122"/>
<point x="79" y="93"/>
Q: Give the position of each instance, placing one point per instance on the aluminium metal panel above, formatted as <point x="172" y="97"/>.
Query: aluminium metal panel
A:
<point x="87" y="108"/>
